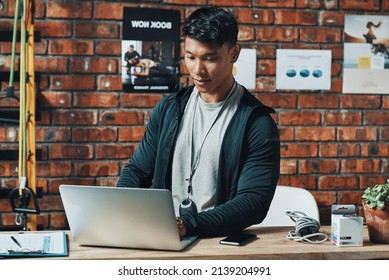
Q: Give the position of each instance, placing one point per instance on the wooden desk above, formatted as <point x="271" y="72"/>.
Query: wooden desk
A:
<point x="271" y="245"/>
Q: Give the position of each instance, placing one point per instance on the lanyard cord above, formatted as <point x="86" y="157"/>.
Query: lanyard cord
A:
<point x="194" y="162"/>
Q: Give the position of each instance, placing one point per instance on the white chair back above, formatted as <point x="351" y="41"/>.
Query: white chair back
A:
<point x="290" y="199"/>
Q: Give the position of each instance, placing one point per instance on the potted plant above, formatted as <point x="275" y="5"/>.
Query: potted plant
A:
<point x="376" y="207"/>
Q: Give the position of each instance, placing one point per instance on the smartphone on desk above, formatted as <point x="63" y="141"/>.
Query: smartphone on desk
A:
<point x="238" y="239"/>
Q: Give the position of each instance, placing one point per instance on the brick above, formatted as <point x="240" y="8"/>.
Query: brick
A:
<point x="266" y="84"/>
<point x="50" y="202"/>
<point x="96" y="100"/>
<point x="376" y="118"/>
<point x="96" y="134"/>
<point x="69" y="9"/>
<point x="110" y="83"/>
<point x="266" y="67"/>
<point x="317" y="4"/>
<point x="186" y="2"/>
<point x="274" y="3"/>
<point x="330" y="182"/>
<point x="385" y="5"/>
<point x="288" y="166"/>
<point x="265" y="51"/>
<point x="65" y="82"/>
<point x="296" y="150"/>
<point x="315" y="133"/>
<point x="340" y="150"/>
<point x="67" y="151"/>
<point x="8" y="9"/>
<point x="370" y="180"/>
<point x="55" y="99"/>
<point x="299" y="118"/>
<point x="8" y="169"/>
<point x="254" y="16"/>
<point x="107" y="181"/>
<point x="101" y="168"/>
<point x="296" y="17"/>
<point x="329" y="18"/>
<point x="277" y="34"/>
<point x="55" y="183"/>
<point x="342" y="118"/>
<point x="336" y="69"/>
<point x="324" y="198"/>
<point x="375" y="150"/>
<point x="52" y="134"/>
<point x="54" y="29"/>
<point x="336" y="85"/>
<point x="71" y="47"/>
<point x="115" y="151"/>
<point x="97" y="30"/>
<point x="308" y="166"/>
<point x="140" y="100"/>
<point x="93" y="65"/>
<point x="384" y="134"/>
<point x="108" y="48"/>
<point x="52" y="65"/>
<point x="122" y="117"/>
<point x="246" y="33"/>
<point x="74" y="117"/>
<point x="285" y="101"/>
<point x="115" y="11"/>
<point x="365" y="5"/>
<point x="385" y="104"/>
<point x="54" y="169"/>
<point x="360" y="101"/>
<point x="360" y="166"/>
<point x="131" y="134"/>
<point x="318" y="101"/>
<point x="320" y="35"/>
<point x="350" y="197"/>
<point x="300" y="181"/>
<point x="58" y="221"/>
<point x="357" y="133"/>
<point x="236" y="3"/>
<point x="286" y="134"/>
<point x="9" y="134"/>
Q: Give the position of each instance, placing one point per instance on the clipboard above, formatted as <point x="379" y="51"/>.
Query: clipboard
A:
<point x="33" y="244"/>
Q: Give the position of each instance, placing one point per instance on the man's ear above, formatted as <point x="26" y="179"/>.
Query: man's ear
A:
<point x="235" y="53"/>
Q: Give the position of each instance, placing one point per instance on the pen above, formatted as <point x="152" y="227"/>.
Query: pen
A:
<point x="14" y="240"/>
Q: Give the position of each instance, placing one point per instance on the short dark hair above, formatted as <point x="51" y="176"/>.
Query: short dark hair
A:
<point x="213" y="25"/>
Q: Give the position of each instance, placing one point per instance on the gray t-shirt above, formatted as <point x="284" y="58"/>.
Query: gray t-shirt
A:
<point x="197" y="120"/>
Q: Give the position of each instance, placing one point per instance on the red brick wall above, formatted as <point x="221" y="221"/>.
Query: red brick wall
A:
<point x="335" y="145"/>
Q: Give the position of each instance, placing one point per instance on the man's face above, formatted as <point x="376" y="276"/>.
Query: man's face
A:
<point x="210" y="66"/>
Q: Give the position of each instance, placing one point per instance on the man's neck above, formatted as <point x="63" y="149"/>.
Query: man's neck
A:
<point x="217" y="96"/>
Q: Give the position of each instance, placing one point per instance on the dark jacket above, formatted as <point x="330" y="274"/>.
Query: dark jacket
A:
<point x="249" y="165"/>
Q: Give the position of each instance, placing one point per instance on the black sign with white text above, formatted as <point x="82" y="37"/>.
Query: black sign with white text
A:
<point x="150" y="50"/>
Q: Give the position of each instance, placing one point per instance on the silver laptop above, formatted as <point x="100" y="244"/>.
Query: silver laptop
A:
<point x="122" y="217"/>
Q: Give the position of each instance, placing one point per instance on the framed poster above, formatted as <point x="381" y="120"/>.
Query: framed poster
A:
<point x="366" y="54"/>
<point x="150" y="50"/>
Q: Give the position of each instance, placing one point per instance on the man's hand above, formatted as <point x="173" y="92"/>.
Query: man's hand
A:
<point x="181" y="227"/>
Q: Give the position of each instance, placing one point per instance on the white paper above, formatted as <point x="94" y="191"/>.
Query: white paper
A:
<point x="303" y="69"/>
<point x="366" y="54"/>
<point x="245" y="69"/>
<point x="51" y="243"/>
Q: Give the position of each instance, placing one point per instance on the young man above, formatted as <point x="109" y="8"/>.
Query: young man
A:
<point x="213" y="144"/>
<point x="131" y="57"/>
